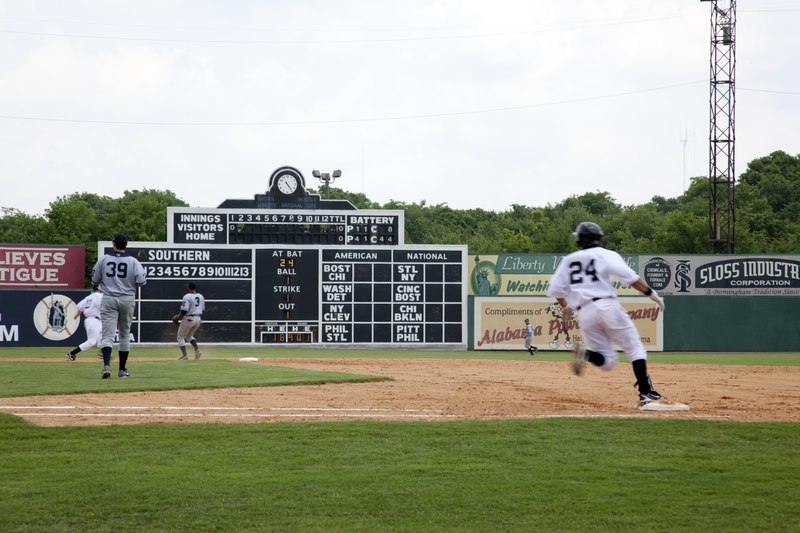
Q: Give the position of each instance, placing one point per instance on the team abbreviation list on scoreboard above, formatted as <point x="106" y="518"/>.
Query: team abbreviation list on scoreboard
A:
<point x="360" y="296"/>
<point x="309" y="294"/>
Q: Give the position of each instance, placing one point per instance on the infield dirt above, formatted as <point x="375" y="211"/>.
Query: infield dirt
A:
<point x="442" y="389"/>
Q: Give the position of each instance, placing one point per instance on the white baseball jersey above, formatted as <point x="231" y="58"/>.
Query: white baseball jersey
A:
<point x="585" y="275"/>
<point x="90" y="306"/>
<point x="193" y="303"/>
<point x="583" y="278"/>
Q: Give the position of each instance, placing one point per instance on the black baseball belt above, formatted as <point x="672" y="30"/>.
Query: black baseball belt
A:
<point x="587" y="303"/>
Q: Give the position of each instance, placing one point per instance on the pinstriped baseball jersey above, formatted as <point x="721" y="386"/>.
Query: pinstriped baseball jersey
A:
<point x="90" y="306"/>
<point x="585" y="275"/>
<point x="118" y="274"/>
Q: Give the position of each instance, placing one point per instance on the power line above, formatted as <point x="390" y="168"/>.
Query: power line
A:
<point x="769" y="91"/>
<point x="353" y="120"/>
<point x="376" y="119"/>
<point x="511" y="33"/>
<point x="295" y="29"/>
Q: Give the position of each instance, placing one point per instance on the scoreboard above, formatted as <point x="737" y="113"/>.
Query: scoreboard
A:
<point x="308" y="294"/>
<point x="187" y="225"/>
<point x="288" y="267"/>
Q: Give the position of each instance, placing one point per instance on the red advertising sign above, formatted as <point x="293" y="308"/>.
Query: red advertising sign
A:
<point x="42" y="266"/>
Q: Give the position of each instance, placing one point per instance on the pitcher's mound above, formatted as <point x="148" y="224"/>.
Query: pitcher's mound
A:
<point x="664" y="405"/>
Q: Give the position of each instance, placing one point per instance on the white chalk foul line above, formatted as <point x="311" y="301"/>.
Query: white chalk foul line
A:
<point x="212" y="408"/>
<point x="274" y="412"/>
<point x="231" y="415"/>
<point x="219" y="412"/>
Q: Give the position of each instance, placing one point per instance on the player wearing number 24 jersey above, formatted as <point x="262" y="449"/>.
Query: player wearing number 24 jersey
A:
<point x="582" y="283"/>
<point x="117" y="275"/>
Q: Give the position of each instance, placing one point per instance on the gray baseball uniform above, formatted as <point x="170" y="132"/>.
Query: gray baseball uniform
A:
<point x="528" y="335"/>
<point x="117" y="275"/>
<point x="193" y="304"/>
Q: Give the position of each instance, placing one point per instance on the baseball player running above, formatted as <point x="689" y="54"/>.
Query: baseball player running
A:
<point x="191" y="318"/>
<point x="582" y="283"/>
<point x="90" y="308"/>
<point x="529" y="338"/>
<point x="117" y="275"/>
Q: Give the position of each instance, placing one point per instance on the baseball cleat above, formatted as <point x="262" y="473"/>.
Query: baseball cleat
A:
<point x="651" y="396"/>
<point x="123" y="374"/>
<point x="182" y="358"/>
<point x="106" y="373"/>
<point x="198" y="354"/>
<point x="579" y="358"/>
<point x="71" y="357"/>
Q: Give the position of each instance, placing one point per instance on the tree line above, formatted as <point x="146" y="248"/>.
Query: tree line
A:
<point x="767" y="215"/>
<point x="86" y="218"/>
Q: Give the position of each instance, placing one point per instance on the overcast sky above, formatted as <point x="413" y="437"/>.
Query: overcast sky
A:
<point x="464" y="102"/>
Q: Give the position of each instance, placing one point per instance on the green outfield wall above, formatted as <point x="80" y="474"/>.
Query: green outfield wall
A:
<point x="732" y="323"/>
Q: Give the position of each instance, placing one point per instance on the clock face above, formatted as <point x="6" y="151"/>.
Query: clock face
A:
<point x="287" y="184"/>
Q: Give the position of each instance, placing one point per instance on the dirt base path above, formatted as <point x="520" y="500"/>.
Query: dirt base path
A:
<point x="439" y="389"/>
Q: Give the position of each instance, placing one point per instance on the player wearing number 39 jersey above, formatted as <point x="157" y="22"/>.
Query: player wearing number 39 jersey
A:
<point x="582" y="284"/>
<point x="117" y="275"/>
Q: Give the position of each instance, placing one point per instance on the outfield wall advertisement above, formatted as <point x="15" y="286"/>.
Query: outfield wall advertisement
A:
<point x="722" y="275"/>
<point x="41" y="318"/>
<point x="499" y="323"/>
<point x="522" y="274"/>
<point x="39" y="266"/>
<point x="673" y="275"/>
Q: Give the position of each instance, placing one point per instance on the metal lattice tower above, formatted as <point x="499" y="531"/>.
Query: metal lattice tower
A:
<point x="722" y="136"/>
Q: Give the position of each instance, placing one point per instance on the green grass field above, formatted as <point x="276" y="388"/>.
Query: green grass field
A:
<point x="558" y="474"/>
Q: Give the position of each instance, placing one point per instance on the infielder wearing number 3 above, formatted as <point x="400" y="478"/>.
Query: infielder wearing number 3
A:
<point x="582" y="284"/>
<point x="190" y="318"/>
